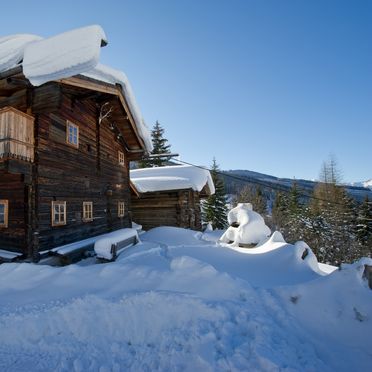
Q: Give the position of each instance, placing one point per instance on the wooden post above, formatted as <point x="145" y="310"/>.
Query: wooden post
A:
<point x="368" y="275"/>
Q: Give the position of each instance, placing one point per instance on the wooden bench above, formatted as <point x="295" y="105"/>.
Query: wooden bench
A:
<point x="118" y="247"/>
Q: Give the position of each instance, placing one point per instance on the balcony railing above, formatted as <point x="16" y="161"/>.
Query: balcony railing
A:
<point x="16" y="135"/>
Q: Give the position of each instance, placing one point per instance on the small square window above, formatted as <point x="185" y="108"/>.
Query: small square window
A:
<point x="72" y="134"/>
<point x="87" y="211"/>
<point x="121" y="209"/>
<point x="3" y="213"/>
<point x="58" y="213"/>
<point x="121" y="158"/>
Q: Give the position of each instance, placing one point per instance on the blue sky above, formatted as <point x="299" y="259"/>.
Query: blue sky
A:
<point x="270" y="86"/>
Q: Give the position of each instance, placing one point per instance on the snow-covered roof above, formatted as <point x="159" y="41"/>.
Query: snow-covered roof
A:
<point x="178" y="177"/>
<point x="65" y="55"/>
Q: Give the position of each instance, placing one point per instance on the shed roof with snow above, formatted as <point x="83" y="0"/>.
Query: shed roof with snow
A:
<point x="178" y="177"/>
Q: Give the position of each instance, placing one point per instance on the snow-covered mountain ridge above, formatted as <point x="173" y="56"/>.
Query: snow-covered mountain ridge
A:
<point x="366" y="184"/>
<point x="359" y="190"/>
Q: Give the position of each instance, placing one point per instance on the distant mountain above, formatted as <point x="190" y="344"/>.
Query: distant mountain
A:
<point x="367" y="184"/>
<point x="235" y="180"/>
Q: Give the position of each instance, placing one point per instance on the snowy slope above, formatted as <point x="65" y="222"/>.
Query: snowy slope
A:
<point x="180" y="301"/>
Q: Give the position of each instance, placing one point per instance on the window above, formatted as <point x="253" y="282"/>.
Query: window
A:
<point x="121" y="209"/>
<point x="3" y="213"/>
<point x="87" y="211"/>
<point x="72" y="134"/>
<point x="58" y="213"/>
<point x="121" y="158"/>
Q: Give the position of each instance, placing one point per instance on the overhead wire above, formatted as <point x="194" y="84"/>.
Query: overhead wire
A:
<point x="248" y="180"/>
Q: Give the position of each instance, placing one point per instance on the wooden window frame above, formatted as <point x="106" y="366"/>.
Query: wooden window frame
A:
<point x="88" y="211"/>
<point x="64" y="221"/>
<point x="5" y="203"/>
<point x="69" y="125"/>
<point x="121" y="158"/>
<point x="121" y="209"/>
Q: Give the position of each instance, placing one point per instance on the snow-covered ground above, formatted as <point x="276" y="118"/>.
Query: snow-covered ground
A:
<point x="181" y="301"/>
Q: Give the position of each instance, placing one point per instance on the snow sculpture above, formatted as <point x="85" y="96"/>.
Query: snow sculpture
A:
<point x="246" y="226"/>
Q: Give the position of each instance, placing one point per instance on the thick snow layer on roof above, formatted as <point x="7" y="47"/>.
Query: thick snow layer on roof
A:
<point x="112" y="76"/>
<point x="64" y="55"/>
<point x="12" y="49"/>
<point x="176" y="177"/>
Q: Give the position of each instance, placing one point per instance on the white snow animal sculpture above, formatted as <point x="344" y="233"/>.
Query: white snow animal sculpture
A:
<point x="246" y="226"/>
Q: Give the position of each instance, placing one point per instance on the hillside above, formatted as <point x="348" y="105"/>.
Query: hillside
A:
<point x="240" y="178"/>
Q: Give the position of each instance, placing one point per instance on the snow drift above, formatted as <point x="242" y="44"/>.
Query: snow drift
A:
<point x="176" y="302"/>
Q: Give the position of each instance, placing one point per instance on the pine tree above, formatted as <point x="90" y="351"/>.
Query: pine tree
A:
<point x="214" y="208"/>
<point x="295" y="217"/>
<point x="280" y="211"/>
<point x="364" y="227"/>
<point x="160" y="146"/>
<point x="335" y="218"/>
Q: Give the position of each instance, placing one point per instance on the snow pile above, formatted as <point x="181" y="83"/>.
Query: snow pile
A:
<point x="176" y="302"/>
<point x="65" y="55"/>
<point x="103" y="246"/>
<point x="247" y="226"/>
<point x="171" y="178"/>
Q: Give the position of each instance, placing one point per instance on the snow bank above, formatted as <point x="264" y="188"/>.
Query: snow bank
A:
<point x="251" y="228"/>
<point x="63" y="55"/>
<point x="175" y="302"/>
<point x="102" y="246"/>
<point x="12" y="48"/>
<point x="176" y="177"/>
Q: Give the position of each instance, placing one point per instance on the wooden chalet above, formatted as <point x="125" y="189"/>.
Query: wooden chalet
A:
<point x="65" y="148"/>
<point x="169" y="196"/>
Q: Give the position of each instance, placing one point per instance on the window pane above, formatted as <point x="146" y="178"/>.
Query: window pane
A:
<point x="2" y="219"/>
<point x="2" y="208"/>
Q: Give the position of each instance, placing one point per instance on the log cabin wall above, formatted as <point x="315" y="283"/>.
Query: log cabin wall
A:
<point x="12" y="189"/>
<point x="59" y="171"/>
<point x="70" y="174"/>
<point x="180" y="208"/>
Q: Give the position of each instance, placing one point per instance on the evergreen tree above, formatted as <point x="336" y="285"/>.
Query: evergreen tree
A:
<point x="160" y="146"/>
<point x="295" y="217"/>
<point x="280" y="211"/>
<point x="335" y="218"/>
<point x="364" y="227"/>
<point x="214" y="208"/>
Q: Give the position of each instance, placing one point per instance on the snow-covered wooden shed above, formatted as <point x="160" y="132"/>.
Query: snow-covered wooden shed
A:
<point x="169" y="196"/>
<point x="69" y="127"/>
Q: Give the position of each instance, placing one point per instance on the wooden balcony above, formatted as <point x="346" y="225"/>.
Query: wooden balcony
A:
<point x="16" y="135"/>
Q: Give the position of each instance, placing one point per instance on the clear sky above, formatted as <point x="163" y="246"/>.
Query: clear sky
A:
<point x="273" y="86"/>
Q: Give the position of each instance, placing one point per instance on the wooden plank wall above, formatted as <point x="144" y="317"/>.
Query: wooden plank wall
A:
<point x="62" y="172"/>
<point x="73" y="175"/>
<point x="168" y="208"/>
<point x="16" y="135"/>
<point x="12" y="189"/>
